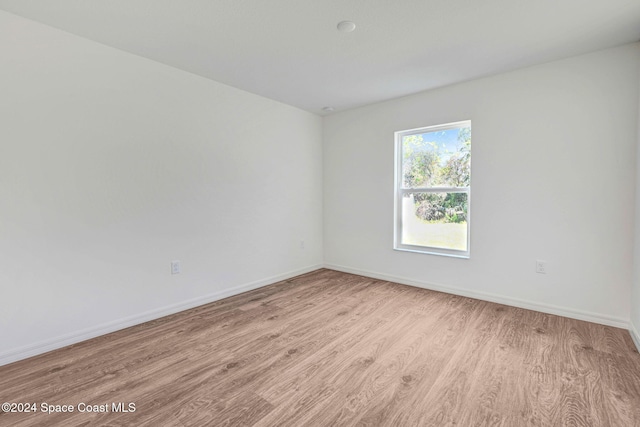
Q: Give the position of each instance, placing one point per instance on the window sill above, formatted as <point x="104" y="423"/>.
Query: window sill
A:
<point x="435" y="251"/>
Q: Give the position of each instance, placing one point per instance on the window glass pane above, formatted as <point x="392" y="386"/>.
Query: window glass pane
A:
<point x="439" y="158"/>
<point x="437" y="220"/>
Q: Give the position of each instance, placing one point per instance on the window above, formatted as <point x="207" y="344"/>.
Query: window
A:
<point x="433" y="178"/>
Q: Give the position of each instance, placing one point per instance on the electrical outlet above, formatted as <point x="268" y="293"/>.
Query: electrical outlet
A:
<point x="301" y="244"/>
<point x="541" y="266"/>
<point x="175" y="267"/>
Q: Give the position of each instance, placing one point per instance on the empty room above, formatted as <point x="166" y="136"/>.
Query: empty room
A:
<point x="319" y="213"/>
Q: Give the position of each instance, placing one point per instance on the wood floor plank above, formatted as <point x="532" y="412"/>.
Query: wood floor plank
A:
<point x="334" y="349"/>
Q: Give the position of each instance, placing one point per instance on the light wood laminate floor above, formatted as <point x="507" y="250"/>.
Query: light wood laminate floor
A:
<point x="334" y="349"/>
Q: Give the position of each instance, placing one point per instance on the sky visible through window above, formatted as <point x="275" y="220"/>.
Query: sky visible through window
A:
<point x="446" y="141"/>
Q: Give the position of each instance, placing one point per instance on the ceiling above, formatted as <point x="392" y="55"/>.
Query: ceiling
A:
<point x="291" y="51"/>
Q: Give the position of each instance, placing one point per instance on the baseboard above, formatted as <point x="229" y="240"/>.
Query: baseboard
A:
<point x="529" y="305"/>
<point x="635" y="336"/>
<point x="85" y="334"/>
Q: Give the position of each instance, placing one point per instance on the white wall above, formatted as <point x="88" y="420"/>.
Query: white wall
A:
<point x="553" y="178"/>
<point x="635" y="294"/>
<point x="112" y="165"/>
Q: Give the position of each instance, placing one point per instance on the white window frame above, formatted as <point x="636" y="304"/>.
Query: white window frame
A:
<point x="400" y="191"/>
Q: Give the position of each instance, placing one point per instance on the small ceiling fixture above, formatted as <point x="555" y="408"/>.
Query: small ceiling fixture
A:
<point x="327" y="109"/>
<point x="346" y="26"/>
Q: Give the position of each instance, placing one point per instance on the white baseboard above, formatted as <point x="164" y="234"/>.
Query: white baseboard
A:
<point x="529" y="305"/>
<point x="635" y="336"/>
<point x="82" y="335"/>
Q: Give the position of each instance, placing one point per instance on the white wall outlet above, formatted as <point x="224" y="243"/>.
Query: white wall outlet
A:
<point x="301" y="244"/>
<point x="175" y="267"/>
<point x="541" y="266"/>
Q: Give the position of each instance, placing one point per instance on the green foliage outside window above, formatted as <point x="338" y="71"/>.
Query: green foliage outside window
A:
<point x="426" y="164"/>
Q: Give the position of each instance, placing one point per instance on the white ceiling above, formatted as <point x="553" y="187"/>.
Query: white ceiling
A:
<point x="290" y="50"/>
